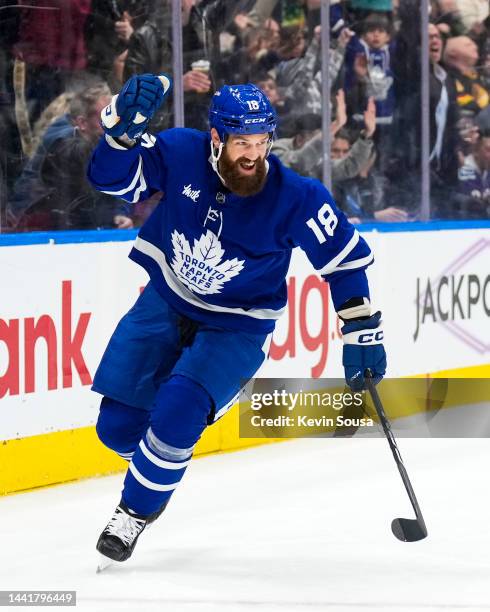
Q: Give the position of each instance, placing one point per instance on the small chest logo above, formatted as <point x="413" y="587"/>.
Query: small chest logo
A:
<point x="193" y="194"/>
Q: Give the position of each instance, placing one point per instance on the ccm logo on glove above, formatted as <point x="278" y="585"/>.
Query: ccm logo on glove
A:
<point x="374" y="337"/>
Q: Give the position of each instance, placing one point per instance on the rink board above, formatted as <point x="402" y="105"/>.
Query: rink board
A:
<point x="60" y="301"/>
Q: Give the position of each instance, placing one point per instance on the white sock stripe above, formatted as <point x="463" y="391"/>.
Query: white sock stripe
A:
<point x="168" y="465"/>
<point x="162" y="449"/>
<point x="125" y="455"/>
<point x="154" y="486"/>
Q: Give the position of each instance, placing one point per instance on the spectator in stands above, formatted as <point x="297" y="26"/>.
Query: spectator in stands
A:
<point x="295" y="73"/>
<point x="11" y="152"/>
<point x="348" y="156"/>
<point x="52" y="45"/>
<point x="362" y="197"/>
<point x="150" y="50"/>
<point x="284" y="108"/>
<point x="472" y="13"/>
<point x="481" y="35"/>
<point x="53" y="193"/>
<point x="234" y="37"/>
<point x="369" y="72"/>
<point x="444" y="138"/>
<point x="149" y="46"/>
<point x="485" y="64"/>
<point x="299" y="78"/>
<point x="482" y="120"/>
<point x="203" y="20"/>
<point x="108" y="30"/>
<point x="289" y="13"/>
<point x="303" y="152"/>
<point x="446" y="16"/>
<point x="269" y="87"/>
<point x="357" y="187"/>
<point x="301" y="12"/>
<point x="404" y="168"/>
<point x="255" y="51"/>
<point x="474" y="181"/>
<point x="461" y="58"/>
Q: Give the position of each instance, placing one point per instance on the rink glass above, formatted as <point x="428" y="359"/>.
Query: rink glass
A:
<point x="45" y="54"/>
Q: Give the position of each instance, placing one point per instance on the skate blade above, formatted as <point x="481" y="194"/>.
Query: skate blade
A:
<point x="104" y="562"/>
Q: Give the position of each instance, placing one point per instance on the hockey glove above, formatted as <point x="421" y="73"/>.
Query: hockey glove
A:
<point x="363" y="348"/>
<point x="130" y="111"/>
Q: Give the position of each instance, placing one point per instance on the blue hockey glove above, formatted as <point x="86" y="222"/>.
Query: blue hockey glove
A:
<point x="130" y="111"/>
<point x="363" y="348"/>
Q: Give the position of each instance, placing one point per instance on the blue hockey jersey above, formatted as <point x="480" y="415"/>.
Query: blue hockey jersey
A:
<point x="219" y="258"/>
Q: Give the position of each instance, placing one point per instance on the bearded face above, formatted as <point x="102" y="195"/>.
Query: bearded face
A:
<point x="243" y="176"/>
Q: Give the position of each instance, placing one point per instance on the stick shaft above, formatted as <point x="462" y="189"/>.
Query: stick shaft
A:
<point x="394" y="449"/>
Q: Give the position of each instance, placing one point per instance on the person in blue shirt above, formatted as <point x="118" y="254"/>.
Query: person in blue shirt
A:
<point x="217" y="250"/>
<point x="369" y="70"/>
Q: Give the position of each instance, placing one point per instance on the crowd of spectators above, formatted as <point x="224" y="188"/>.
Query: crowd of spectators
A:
<point x="61" y="60"/>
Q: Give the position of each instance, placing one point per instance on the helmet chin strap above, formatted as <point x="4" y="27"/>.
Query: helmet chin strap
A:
<point x="269" y="146"/>
<point x="215" y="155"/>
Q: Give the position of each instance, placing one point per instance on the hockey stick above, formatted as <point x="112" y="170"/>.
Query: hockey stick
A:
<point x="406" y="530"/>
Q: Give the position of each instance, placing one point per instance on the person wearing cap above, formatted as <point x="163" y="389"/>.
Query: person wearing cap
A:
<point x="217" y="250"/>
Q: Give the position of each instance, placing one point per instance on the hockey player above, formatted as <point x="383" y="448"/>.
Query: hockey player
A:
<point x="217" y="250"/>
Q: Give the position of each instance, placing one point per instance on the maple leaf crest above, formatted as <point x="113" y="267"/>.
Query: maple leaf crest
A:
<point x="203" y="263"/>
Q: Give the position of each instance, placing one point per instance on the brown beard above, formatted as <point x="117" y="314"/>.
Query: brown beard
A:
<point x="238" y="183"/>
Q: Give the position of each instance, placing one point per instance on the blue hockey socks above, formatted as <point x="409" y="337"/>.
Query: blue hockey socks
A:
<point x="178" y="419"/>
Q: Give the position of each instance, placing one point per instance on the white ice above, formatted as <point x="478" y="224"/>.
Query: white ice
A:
<point x="296" y="526"/>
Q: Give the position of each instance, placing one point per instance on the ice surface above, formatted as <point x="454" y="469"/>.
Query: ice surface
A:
<point x="297" y="526"/>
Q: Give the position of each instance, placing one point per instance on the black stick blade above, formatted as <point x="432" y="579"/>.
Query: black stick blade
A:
<point x="408" y="530"/>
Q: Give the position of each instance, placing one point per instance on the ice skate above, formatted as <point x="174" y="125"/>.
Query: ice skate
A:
<point x="117" y="541"/>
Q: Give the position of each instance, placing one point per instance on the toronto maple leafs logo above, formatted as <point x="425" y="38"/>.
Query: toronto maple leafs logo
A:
<point x="201" y="268"/>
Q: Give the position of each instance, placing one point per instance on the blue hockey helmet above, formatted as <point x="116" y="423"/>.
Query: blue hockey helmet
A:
<point x="241" y="109"/>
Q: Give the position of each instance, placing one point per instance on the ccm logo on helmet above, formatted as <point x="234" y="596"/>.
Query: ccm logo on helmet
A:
<point x="371" y="337"/>
<point x="256" y="120"/>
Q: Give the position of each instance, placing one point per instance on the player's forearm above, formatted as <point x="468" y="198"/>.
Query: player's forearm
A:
<point x="346" y="285"/>
<point x="117" y="171"/>
<point x="109" y="165"/>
